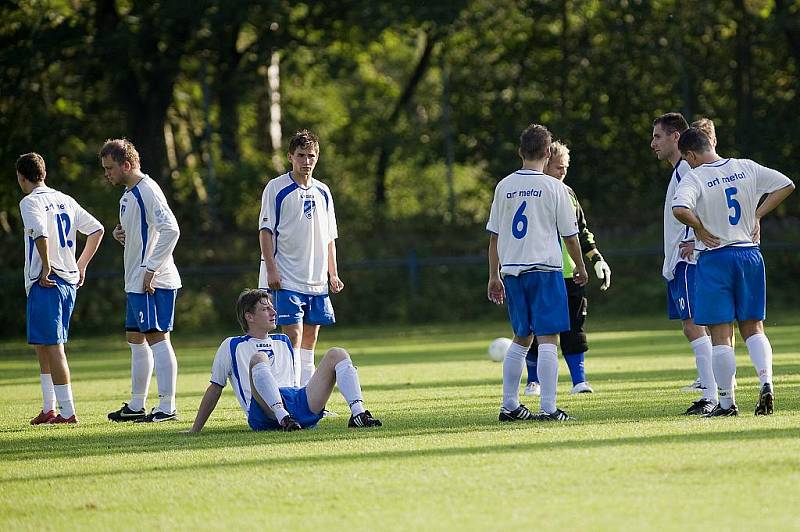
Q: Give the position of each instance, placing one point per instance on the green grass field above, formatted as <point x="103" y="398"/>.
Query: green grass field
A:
<point x="442" y="461"/>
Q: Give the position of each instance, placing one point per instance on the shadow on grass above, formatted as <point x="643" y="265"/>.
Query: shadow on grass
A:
<point x="275" y="460"/>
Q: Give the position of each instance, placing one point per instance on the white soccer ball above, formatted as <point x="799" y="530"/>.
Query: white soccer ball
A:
<point x="498" y="349"/>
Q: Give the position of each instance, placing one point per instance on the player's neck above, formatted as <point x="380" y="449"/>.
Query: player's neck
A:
<point x="675" y="159"/>
<point x="260" y="334"/>
<point x="133" y="178"/>
<point x="301" y="179"/>
<point x="536" y="165"/>
<point x="33" y="186"/>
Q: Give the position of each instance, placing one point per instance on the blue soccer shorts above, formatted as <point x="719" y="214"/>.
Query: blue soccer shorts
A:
<point x="49" y="311"/>
<point x="681" y="292"/>
<point x="151" y="312"/>
<point x="731" y="285"/>
<point x="295" y="401"/>
<point x="537" y="303"/>
<point x="293" y="307"/>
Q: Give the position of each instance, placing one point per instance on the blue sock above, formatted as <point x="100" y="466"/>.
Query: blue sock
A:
<point x="530" y="361"/>
<point x="576" y="370"/>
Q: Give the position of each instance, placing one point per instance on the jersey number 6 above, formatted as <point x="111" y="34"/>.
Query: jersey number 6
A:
<point x="519" y="226"/>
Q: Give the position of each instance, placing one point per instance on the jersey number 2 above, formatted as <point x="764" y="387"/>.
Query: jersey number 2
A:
<point x="64" y="225"/>
<point x="519" y="226"/>
<point x="733" y="204"/>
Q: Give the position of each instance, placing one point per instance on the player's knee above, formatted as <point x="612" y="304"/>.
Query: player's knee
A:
<point x="257" y="359"/>
<point x="337" y="354"/>
<point x="574" y="343"/>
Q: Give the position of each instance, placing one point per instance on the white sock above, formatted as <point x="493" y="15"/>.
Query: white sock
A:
<point x="547" y="368"/>
<point x="723" y="360"/>
<point x="48" y="395"/>
<point x="267" y="388"/>
<point x="702" y="358"/>
<point x="347" y="381"/>
<point x="761" y="355"/>
<point x="306" y="365"/>
<point x="64" y="397"/>
<point x="513" y="365"/>
<point x="141" y="372"/>
<point x="166" y="375"/>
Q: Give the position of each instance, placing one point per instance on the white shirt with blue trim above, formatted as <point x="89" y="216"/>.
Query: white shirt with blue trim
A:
<point x="674" y="231"/>
<point x="302" y="222"/>
<point x="725" y="195"/>
<point x="530" y="213"/>
<point x="46" y="212"/>
<point x="151" y="234"/>
<point x="232" y="363"/>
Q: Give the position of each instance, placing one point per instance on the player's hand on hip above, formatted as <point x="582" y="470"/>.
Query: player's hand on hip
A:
<point x="603" y="272"/>
<point x="686" y="249"/>
<point x="148" y="282"/>
<point x="119" y="234"/>
<point x="44" y="279"/>
<point x="707" y="238"/>
<point x="496" y="292"/>
<point x="336" y="284"/>
<point x="580" y="277"/>
<point x="756" y="234"/>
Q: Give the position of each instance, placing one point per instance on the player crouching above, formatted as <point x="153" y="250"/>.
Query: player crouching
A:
<point x="264" y="376"/>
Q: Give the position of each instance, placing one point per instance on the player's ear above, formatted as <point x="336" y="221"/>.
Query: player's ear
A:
<point x="126" y="166"/>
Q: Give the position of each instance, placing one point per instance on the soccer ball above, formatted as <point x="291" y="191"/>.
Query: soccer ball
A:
<point x="498" y="348"/>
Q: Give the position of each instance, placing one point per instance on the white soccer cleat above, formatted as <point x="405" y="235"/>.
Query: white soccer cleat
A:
<point x="581" y="387"/>
<point x="693" y="387"/>
<point x="532" y="388"/>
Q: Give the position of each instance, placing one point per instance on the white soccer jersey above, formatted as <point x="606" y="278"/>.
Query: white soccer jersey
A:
<point x="46" y="212"/>
<point x="302" y="222"/>
<point x="530" y="211"/>
<point x="674" y="231"/>
<point x="725" y="194"/>
<point x="232" y="363"/>
<point x="151" y="233"/>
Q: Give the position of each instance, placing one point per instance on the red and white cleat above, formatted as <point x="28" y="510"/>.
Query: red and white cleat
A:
<point x="43" y="417"/>
<point x="58" y="420"/>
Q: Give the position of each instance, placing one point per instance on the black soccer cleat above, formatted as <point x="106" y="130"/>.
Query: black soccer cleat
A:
<point x="766" y="400"/>
<point x="126" y="414"/>
<point x="700" y="408"/>
<point x="364" y="420"/>
<point x="157" y="416"/>
<point x="558" y="415"/>
<point x="521" y="413"/>
<point x="289" y="424"/>
<point x="723" y="412"/>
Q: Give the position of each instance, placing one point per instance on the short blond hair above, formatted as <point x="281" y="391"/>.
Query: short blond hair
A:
<point x="558" y="149"/>
<point x="706" y="125"/>
<point x="121" y="150"/>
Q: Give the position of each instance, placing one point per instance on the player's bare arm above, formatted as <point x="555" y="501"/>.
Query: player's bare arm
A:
<point x="336" y="284"/>
<point x="268" y="253"/>
<point x="688" y="217"/>
<point x="772" y="200"/>
<point x="207" y="406"/>
<point x="89" y="249"/>
<point x="44" y="254"/>
<point x="574" y="249"/>
<point x="495" y="290"/>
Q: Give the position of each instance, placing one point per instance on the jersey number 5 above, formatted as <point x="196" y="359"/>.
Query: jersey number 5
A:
<point x="519" y="226"/>
<point x="733" y="204"/>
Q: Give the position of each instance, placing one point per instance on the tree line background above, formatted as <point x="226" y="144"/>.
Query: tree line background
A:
<point x="418" y="106"/>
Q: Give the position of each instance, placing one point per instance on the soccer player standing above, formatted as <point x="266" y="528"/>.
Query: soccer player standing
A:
<point x="52" y="276"/>
<point x="719" y="199"/>
<point x="679" y="262"/>
<point x="297" y="234"/>
<point x="530" y="213"/>
<point x="148" y="232"/>
<point x="573" y="342"/>
<point x="261" y="369"/>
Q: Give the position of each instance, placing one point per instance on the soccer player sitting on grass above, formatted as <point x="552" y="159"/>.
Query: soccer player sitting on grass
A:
<point x="260" y="367"/>
<point x="720" y="200"/>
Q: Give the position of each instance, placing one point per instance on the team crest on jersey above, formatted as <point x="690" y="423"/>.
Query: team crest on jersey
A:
<point x="309" y="206"/>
